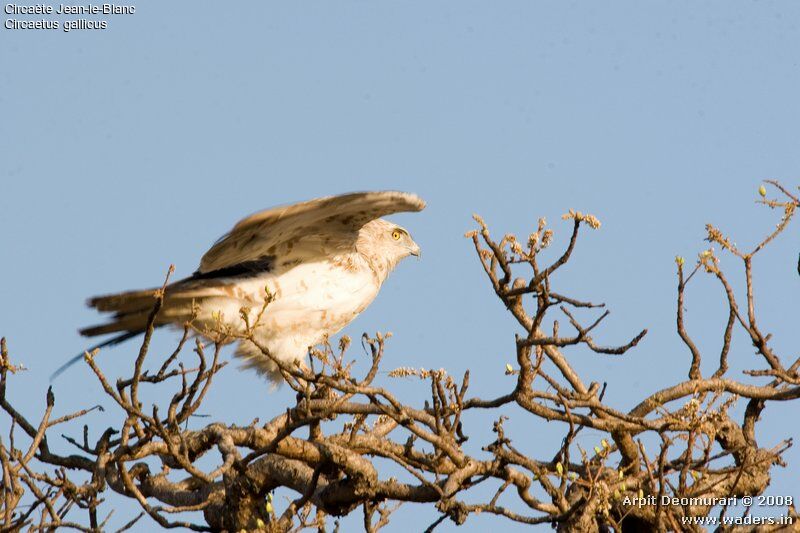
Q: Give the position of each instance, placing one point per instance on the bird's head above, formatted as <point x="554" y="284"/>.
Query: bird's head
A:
<point x="387" y="243"/>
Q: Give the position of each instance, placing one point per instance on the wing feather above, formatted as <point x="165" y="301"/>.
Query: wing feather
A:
<point x="333" y="218"/>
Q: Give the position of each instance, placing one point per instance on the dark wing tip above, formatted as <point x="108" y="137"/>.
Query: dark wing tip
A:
<point x="110" y="342"/>
<point x="66" y="365"/>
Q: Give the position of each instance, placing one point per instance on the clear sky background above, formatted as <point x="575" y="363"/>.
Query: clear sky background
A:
<point x="127" y="149"/>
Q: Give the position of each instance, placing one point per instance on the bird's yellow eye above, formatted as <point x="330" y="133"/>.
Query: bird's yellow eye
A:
<point x="396" y="235"/>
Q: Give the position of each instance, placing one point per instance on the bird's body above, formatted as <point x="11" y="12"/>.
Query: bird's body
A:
<point x="300" y="273"/>
<point x="310" y="301"/>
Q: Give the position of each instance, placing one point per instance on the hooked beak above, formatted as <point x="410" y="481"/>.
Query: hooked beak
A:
<point x="415" y="251"/>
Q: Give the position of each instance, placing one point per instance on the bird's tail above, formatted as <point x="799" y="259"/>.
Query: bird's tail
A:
<point x="132" y="309"/>
<point x="131" y="312"/>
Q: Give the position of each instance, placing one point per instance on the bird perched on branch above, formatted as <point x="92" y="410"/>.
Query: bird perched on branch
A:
<point x="316" y="265"/>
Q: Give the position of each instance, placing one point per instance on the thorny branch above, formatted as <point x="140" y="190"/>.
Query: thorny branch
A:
<point x="325" y="448"/>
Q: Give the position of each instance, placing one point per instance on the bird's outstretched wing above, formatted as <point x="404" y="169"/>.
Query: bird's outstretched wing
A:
<point x="274" y="231"/>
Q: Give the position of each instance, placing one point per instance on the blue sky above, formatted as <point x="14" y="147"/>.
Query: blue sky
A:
<point x="127" y="149"/>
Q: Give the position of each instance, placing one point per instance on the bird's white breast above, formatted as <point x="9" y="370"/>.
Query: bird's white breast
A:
<point x="323" y="295"/>
<point x="311" y="300"/>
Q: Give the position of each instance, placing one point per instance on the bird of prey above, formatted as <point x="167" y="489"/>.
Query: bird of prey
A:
<point x="321" y="263"/>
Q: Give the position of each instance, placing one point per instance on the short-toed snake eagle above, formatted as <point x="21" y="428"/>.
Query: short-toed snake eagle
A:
<point x="321" y="263"/>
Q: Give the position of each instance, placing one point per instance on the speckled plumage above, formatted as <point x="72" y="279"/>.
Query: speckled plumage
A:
<point x="323" y="262"/>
